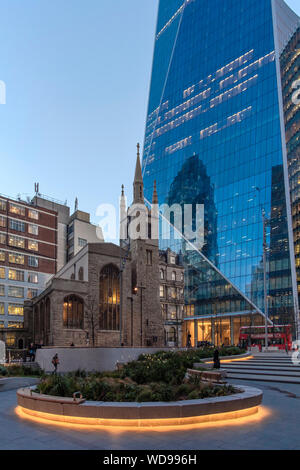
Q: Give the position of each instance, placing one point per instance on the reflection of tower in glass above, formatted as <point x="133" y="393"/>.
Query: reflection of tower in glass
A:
<point x="215" y="92"/>
<point x="280" y="282"/>
<point x="192" y="186"/>
<point x="290" y="65"/>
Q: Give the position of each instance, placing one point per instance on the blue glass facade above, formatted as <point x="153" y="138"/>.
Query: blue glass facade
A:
<point x="290" y="65"/>
<point x="214" y="135"/>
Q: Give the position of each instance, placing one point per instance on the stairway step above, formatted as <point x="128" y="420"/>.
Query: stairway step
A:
<point x="265" y="378"/>
<point x="287" y="368"/>
<point x="263" y="372"/>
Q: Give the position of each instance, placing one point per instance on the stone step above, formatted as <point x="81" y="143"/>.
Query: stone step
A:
<point x="263" y="372"/>
<point x="265" y="378"/>
<point x="288" y="370"/>
<point x="267" y="363"/>
<point x="271" y="359"/>
<point x="262" y="366"/>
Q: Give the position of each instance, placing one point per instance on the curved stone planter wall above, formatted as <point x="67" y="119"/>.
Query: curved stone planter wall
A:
<point x="67" y="410"/>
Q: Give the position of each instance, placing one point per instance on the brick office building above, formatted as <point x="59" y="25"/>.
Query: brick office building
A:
<point x="34" y="245"/>
<point x="28" y="258"/>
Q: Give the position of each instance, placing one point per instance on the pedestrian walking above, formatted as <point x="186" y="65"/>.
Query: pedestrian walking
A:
<point x="32" y="353"/>
<point x="55" y="362"/>
<point x="217" y="364"/>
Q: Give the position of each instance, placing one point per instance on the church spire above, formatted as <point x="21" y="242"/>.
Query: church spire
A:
<point x="123" y="216"/>
<point x="138" y="185"/>
<point x="154" y="196"/>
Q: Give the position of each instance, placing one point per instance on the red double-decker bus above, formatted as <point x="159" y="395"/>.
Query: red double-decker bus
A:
<point x="279" y="336"/>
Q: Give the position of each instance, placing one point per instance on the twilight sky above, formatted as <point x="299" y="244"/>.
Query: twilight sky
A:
<point x="77" y="75"/>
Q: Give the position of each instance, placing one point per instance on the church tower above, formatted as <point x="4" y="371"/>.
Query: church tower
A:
<point x="147" y="327"/>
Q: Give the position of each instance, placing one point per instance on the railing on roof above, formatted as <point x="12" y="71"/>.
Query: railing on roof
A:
<point x="51" y="199"/>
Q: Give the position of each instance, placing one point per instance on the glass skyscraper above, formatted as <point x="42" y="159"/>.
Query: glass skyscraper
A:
<point x="215" y="136"/>
<point x="290" y="66"/>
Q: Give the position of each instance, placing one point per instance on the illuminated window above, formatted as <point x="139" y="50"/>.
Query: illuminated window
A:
<point x="172" y="292"/>
<point x="2" y="290"/>
<point x="190" y="310"/>
<point x="162" y="274"/>
<point x="2" y="273"/>
<point x="33" y="229"/>
<point x="33" y="214"/>
<point x="15" y="324"/>
<point x="10" y="340"/>
<point x="109" y="298"/>
<point x="15" y="309"/>
<point x="172" y="312"/>
<point x="14" y="291"/>
<point x="16" y="258"/>
<point x="73" y="312"/>
<point x="33" y="245"/>
<point x="2" y="255"/>
<point x="173" y="276"/>
<point x="18" y="242"/>
<point x="31" y="293"/>
<point x="33" y="261"/>
<point x="1" y="324"/>
<point x="162" y="291"/>
<point x="16" y="209"/>
<point x="2" y="221"/>
<point x="2" y="205"/>
<point x="33" y="278"/>
<point x="2" y="238"/>
<point x="16" y="275"/>
<point x="16" y="225"/>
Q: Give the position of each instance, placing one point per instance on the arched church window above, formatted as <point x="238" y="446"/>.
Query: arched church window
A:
<point x="109" y="298"/>
<point x="73" y="312"/>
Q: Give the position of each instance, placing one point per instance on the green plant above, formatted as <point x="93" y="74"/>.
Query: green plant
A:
<point x="3" y="370"/>
<point x="145" y="395"/>
<point x="193" y="395"/>
<point x="156" y="377"/>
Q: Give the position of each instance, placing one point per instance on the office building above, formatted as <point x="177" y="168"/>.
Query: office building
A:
<point x="290" y="66"/>
<point x="35" y="244"/>
<point x="215" y="135"/>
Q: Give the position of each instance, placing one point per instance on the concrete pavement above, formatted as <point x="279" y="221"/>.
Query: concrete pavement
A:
<point x="279" y="430"/>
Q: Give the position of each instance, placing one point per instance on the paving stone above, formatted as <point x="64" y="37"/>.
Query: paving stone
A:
<point x="279" y="431"/>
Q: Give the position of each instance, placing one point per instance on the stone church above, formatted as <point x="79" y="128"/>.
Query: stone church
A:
<point x="107" y="295"/>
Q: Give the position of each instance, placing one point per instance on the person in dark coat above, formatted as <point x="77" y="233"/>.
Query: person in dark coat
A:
<point x="216" y="359"/>
<point x="55" y="362"/>
<point x="32" y="351"/>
